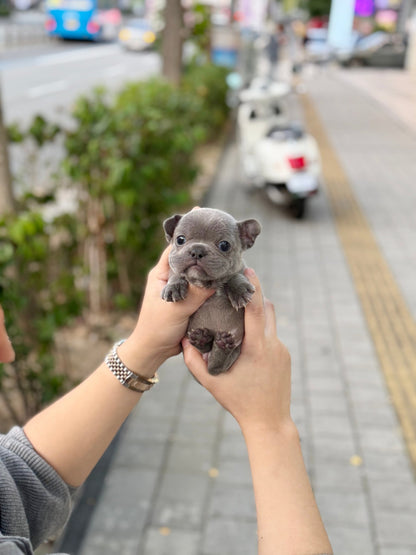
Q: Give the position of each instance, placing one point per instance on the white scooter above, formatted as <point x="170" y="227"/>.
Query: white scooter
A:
<point x="276" y="154"/>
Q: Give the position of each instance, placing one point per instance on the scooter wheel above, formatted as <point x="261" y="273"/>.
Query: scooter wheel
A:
<point x="298" y="207"/>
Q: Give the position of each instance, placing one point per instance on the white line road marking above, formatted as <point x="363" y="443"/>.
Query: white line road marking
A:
<point x="47" y="88"/>
<point x="77" y="55"/>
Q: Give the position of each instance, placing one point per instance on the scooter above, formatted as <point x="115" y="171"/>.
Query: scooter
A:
<point x="277" y="155"/>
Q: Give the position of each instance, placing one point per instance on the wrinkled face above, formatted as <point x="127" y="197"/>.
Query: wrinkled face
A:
<point x="206" y="246"/>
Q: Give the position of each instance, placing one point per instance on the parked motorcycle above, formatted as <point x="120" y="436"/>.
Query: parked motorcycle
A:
<point x="276" y="154"/>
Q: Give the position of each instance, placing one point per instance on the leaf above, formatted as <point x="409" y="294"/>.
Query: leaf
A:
<point x="6" y="252"/>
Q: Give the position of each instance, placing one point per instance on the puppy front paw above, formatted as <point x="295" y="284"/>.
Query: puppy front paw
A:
<point x="175" y="291"/>
<point x="240" y="295"/>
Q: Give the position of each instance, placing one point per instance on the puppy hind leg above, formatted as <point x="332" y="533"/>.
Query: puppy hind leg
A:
<point x="225" y="351"/>
<point x="201" y="338"/>
<point x="220" y="361"/>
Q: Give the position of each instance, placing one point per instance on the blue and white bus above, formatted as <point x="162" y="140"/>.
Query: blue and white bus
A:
<point x="82" y="19"/>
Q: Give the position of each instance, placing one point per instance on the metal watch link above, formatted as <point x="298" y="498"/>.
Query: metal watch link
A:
<point x="127" y="377"/>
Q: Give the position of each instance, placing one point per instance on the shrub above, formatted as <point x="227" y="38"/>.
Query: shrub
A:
<point x="38" y="296"/>
<point x="208" y="83"/>
<point x="130" y="159"/>
<point x="130" y="162"/>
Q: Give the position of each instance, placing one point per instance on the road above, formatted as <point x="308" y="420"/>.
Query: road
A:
<point x="46" y="79"/>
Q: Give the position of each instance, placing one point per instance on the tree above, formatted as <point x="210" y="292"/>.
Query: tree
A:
<point x="6" y="192"/>
<point x="172" y="41"/>
<point x="317" y="7"/>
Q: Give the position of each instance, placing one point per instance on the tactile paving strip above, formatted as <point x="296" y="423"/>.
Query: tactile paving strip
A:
<point x="389" y="320"/>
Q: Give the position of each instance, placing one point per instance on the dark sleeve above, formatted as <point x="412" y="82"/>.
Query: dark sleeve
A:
<point x="35" y="502"/>
<point x="15" y="546"/>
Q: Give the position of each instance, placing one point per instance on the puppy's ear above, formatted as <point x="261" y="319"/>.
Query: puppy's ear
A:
<point x="248" y="230"/>
<point x="169" y="226"/>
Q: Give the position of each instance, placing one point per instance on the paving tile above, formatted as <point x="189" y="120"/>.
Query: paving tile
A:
<point x="398" y="550"/>
<point x="388" y="465"/>
<point x="377" y="417"/>
<point x="347" y="509"/>
<point x="381" y="440"/>
<point x="170" y="541"/>
<point x="351" y="541"/>
<point x="235" y="537"/>
<point x="328" y="403"/>
<point x="396" y="494"/>
<point x="121" y="512"/>
<point x="192" y="457"/>
<point x="180" y="500"/>
<point x="235" y="471"/>
<point x="335" y="425"/>
<point x="336" y="476"/>
<point x="233" y="446"/>
<point x="396" y="528"/>
<point x="138" y="453"/>
<point x="232" y="501"/>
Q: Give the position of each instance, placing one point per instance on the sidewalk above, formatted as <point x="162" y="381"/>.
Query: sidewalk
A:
<point x="179" y="483"/>
<point x="22" y="29"/>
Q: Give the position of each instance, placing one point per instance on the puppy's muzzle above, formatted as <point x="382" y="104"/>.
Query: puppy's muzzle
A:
<point x="197" y="252"/>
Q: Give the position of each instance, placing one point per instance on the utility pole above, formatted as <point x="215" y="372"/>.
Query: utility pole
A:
<point x="341" y="19"/>
<point x="405" y="12"/>
<point x="6" y="192"/>
<point x="172" y="41"/>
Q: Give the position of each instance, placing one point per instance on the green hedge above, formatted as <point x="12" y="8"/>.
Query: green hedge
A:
<point x="129" y="158"/>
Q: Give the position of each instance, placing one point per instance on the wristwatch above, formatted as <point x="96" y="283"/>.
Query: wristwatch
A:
<point x="127" y="377"/>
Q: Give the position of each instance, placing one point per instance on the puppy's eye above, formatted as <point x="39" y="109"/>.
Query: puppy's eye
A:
<point x="224" y="246"/>
<point x="180" y="240"/>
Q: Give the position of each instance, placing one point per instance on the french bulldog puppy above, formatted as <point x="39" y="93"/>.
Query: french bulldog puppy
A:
<point x="207" y="248"/>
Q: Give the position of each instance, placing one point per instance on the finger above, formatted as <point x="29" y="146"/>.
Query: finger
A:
<point x="195" y="298"/>
<point x="161" y="270"/>
<point x="195" y="362"/>
<point x="254" y="320"/>
<point x="163" y="263"/>
<point x="270" y="319"/>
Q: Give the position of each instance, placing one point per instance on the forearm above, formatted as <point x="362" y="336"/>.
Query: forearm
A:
<point x="289" y="522"/>
<point x="73" y="433"/>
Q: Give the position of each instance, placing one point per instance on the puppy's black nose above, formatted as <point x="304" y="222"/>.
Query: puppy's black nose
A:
<point x="198" y="251"/>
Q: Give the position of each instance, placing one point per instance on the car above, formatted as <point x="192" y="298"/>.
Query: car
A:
<point x="137" y="34"/>
<point x="317" y="48"/>
<point x="380" y="49"/>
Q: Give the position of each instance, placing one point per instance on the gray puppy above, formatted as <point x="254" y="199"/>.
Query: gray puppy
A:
<point x="207" y="247"/>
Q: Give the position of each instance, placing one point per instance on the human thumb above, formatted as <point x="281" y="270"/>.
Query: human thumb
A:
<point x="195" y="298"/>
<point x="194" y="361"/>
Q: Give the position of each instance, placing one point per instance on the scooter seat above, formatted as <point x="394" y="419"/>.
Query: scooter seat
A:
<point x="285" y="133"/>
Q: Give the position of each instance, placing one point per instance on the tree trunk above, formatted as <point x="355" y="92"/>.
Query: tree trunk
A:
<point x="96" y="258"/>
<point x="172" y="42"/>
<point x="6" y="193"/>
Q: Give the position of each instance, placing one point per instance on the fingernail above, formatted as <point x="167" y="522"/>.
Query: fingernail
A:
<point x="250" y="272"/>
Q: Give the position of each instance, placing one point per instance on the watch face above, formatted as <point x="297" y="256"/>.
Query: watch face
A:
<point x="134" y="382"/>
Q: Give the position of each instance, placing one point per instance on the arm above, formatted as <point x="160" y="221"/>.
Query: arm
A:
<point x="257" y="392"/>
<point x="73" y="433"/>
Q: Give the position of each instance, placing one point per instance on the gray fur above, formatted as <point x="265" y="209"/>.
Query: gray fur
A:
<point x="217" y="328"/>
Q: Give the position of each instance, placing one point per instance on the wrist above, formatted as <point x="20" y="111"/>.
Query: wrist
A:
<point x="284" y="431"/>
<point x="138" y="358"/>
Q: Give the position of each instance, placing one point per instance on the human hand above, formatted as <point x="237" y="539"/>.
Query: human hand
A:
<point x="256" y="390"/>
<point x="161" y="325"/>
